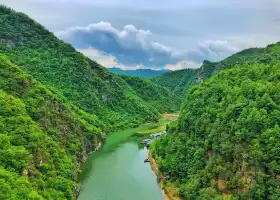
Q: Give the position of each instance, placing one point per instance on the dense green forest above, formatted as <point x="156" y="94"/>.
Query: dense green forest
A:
<point x="225" y="144"/>
<point x="43" y="140"/>
<point x="179" y="82"/>
<point x="57" y="106"/>
<point x="157" y="96"/>
<point x="69" y="74"/>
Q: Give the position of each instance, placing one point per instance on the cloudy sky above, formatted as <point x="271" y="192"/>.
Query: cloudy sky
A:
<point x="157" y="34"/>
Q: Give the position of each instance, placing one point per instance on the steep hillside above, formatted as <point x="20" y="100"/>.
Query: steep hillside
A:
<point x="225" y="144"/>
<point x="178" y="82"/>
<point x="43" y="141"/>
<point x="253" y="55"/>
<point x="159" y="97"/>
<point x="56" y="106"/>
<point x="181" y="81"/>
<point x="69" y="74"/>
<point x="138" y="72"/>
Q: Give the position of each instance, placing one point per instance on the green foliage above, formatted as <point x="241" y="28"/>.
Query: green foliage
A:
<point x="227" y="137"/>
<point x="70" y="75"/>
<point x="159" y="97"/>
<point x="24" y="150"/>
<point x="55" y="107"/>
<point x="178" y="82"/>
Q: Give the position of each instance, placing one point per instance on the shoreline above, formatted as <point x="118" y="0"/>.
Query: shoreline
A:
<point x="141" y="127"/>
<point x="77" y="190"/>
<point x="169" y="194"/>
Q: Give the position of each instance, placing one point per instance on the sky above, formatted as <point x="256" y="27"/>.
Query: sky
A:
<point x="157" y="34"/>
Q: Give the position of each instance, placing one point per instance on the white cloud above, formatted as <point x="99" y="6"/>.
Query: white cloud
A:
<point x="134" y="47"/>
<point x="216" y="50"/>
<point x="110" y="61"/>
<point x="130" y="46"/>
<point x="105" y="60"/>
<point x="219" y="46"/>
<point x="171" y="32"/>
<point x="183" y="65"/>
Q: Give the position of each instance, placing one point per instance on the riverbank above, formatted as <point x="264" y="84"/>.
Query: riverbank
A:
<point x="119" y="165"/>
<point x="119" y="153"/>
<point x="77" y="189"/>
<point x="160" y="126"/>
<point x="169" y="191"/>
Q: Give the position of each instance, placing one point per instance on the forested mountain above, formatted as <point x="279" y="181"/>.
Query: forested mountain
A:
<point x="159" y="97"/>
<point x="138" y="72"/>
<point x="69" y="74"/>
<point x="180" y="81"/>
<point x="43" y="140"/>
<point x="225" y="144"/>
<point x="56" y="106"/>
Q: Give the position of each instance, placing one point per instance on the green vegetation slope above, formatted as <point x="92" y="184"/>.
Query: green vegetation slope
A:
<point x="159" y="97"/>
<point x="179" y="82"/>
<point x="69" y="74"/>
<point x="225" y="144"/>
<point x="43" y="141"/>
<point x="56" y="106"/>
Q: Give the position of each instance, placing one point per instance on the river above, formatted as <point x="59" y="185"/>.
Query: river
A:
<point x="118" y="172"/>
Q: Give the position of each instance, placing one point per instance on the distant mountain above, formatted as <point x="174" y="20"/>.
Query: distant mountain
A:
<point x="139" y="72"/>
<point x="180" y="81"/>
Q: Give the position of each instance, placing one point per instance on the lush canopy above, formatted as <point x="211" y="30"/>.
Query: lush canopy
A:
<point x="226" y="141"/>
<point x="56" y="106"/>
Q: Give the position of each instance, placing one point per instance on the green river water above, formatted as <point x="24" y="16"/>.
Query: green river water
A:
<point x="118" y="172"/>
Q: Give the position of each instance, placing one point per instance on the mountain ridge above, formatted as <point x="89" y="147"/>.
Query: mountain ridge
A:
<point x="138" y="72"/>
<point x="182" y="80"/>
<point x="64" y="70"/>
<point x="224" y="142"/>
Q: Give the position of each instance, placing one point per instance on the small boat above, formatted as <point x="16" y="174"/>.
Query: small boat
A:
<point x="148" y="144"/>
<point x="156" y="135"/>
<point x="145" y="141"/>
<point x="146" y="160"/>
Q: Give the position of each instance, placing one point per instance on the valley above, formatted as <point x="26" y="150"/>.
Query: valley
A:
<point x="117" y="170"/>
<point x="57" y="107"/>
